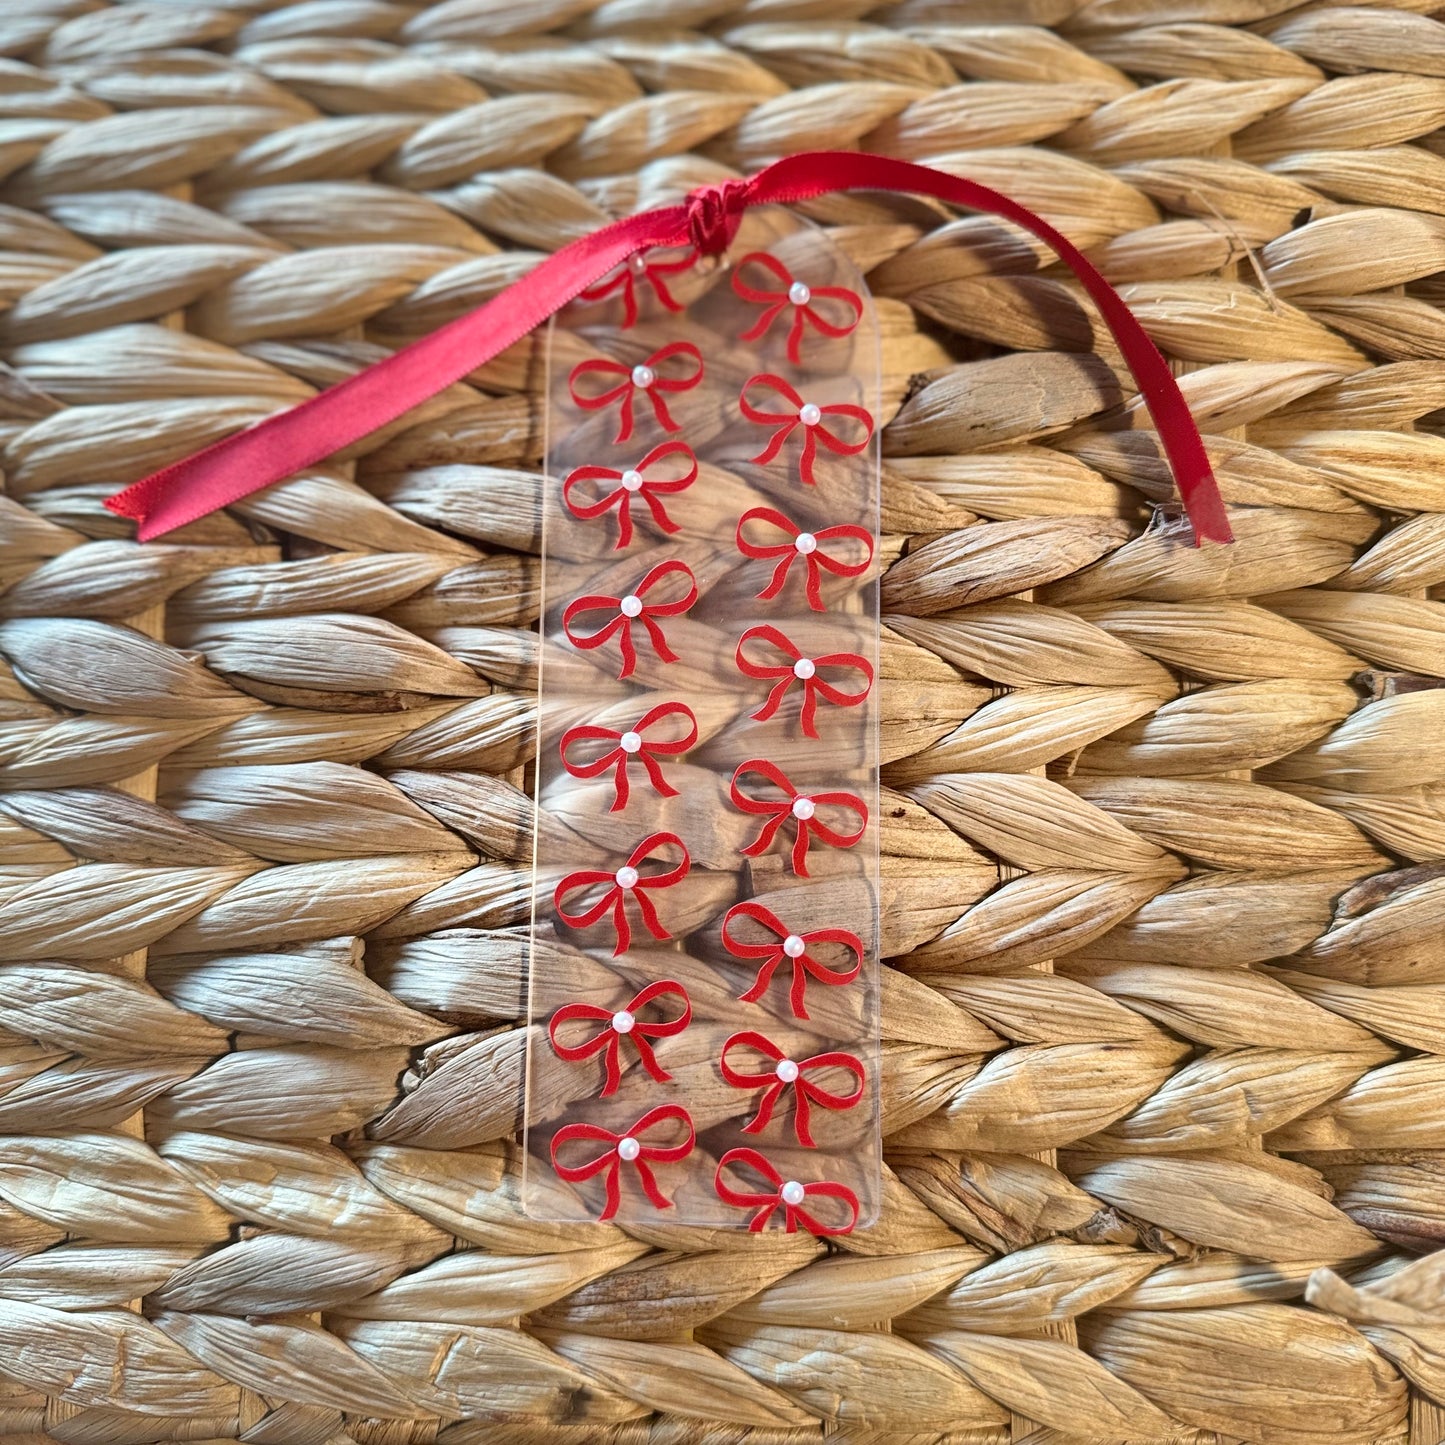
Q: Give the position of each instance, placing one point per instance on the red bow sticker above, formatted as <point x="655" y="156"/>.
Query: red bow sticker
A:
<point x="645" y="377"/>
<point x="624" y="1023"/>
<point x="629" y="609"/>
<point x="627" y="882"/>
<point x="635" y="268"/>
<point x="800" y="297"/>
<point x="785" y="1073"/>
<point x="801" y="808"/>
<point x="789" y="1195"/>
<point x="629" y="1148"/>
<point x="629" y="745"/>
<point x="631" y="482"/>
<point x="810" y="546"/>
<point x="793" y="946"/>
<point x="800" y="669"/>
<point x="805" y="414"/>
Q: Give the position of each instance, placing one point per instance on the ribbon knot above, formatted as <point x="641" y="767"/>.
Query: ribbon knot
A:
<point x="629" y="745"/>
<point x="631" y="482"/>
<point x="803" y="670"/>
<point x="786" y="1073"/>
<point x="714" y="214"/>
<point x="635" y="268"/>
<point x="807" y="415"/>
<point x="624" y="1023"/>
<point x="807" y="545"/>
<point x="633" y="608"/>
<point x="801" y="808"/>
<point x="789" y="1195"/>
<point x="797" y="947"/>
<point x="629" y="1148"/>
<point x="798" y="295"/>
<point x="627" y="881"/>
<point x="645" y="377"/>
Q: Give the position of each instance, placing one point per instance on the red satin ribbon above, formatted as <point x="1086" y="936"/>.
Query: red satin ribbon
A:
<point x="625" y="391"/>
<point x="779" y="810"/>
<point x="787" y="674"/>
<point x="805" y="966"/>
<point x="645" y="751"/>
<point x="607" y="1041"/>
<point x="611" y="1158"/>
<point x="814" y="432"/>
<point x="620" y="623"/>
<point x="816" y="559"/>
<point x="806" y="1092"/>
<point x="777" y="300"/>
<point x="626" y="277"/>
<point x="708" y="219"/>
<point x="621" y="495"/>
<point x="769" y="1201"/>
<point x="615" y="898"/>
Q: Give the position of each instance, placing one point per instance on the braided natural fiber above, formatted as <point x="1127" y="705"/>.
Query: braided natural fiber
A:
<point x="1165" y="837"/>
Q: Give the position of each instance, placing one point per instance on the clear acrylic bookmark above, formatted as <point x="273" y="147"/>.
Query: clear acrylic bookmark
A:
<point x="703" y="1043"/>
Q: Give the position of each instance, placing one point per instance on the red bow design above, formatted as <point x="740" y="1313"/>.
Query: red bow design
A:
<point x="800" y="669"/>
<point x="630" y="483"/>
<point x="808" y="546"/>
<point x="646" y="377"/>
<point x="789" y="1194"/>
<point x="627" y="610"/>
<point x="799" y="296"/>
<point x="785" y="1072"/>
<point x="806" y="415"/>
<point x="628" y="1148"/>
<point x="630" y="744"/>
<point x="624" y="1023"/>
<point x="794" y="946"/>
<point x="626" y="880"/>
<point x="638" y="268"/>
<point x="802" y="809"/>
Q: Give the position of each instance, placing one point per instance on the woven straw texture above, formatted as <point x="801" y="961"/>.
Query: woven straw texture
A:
<point x="1164" y="1012"/>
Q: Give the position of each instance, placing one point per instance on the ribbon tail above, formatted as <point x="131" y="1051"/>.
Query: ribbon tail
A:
<point x="766" y="1104"/>
<point x="764" y="978"/>
<point x="649" y="1185"/>
<point x="798" y="993"/>
<point x="614" y="1066"/>
<point x="621" y="925"/>
<point x="800" y="850"/>
<point x="802" y="1116"/>
<point x="614" y="1191"/>
<point x="620" y="785"/>
<point x="648" y="1058"/>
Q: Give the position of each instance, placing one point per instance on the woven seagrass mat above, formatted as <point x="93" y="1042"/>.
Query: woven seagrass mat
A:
<point x="1165" y="1009"/>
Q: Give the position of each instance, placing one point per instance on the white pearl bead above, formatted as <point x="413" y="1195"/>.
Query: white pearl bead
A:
<point x="643" y="376"/>
<point x="799" y="294"/>
<point x="804" y="667"/>
<point x="631" y="742"/>
<point x="632" y="481"/>
<point x="804" y="808"/>
<point x="627" y="877"/>
<point x="637" y="263"/>
<point x="806" y="542"/>
<point x="631" y="605"/>
<point x="794" y="946"/>
<point x="792" y="1192"/>
<point x="809" y="414"/>
<point x="622" y="1022"/>
<point x="787" y="1070"/>
<point x="629" y="1149"/>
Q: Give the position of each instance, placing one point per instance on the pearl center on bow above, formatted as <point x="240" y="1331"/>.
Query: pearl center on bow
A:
<point x="787" y="1071"/>
<point x="794" y="946"/>
<point x="629" y="1149"/>
<point x="622" y="1022"/>
<point x="799" y="294"/>
<point x="804" y="808"/>
<point x="809" y="414"/>
<point x="643" y="376"/>
<point x="627" y="877"/>
<point x="631" y="605"/>
<point x="804" y="668"/>
<point x="631" y="742"/>
<point x="806" y="542"/>
<point x="631" y="481"/>
<point x="792" y="1192"/>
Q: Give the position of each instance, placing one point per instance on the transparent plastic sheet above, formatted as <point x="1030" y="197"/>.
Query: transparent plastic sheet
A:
<point x="704" y="1039"/>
